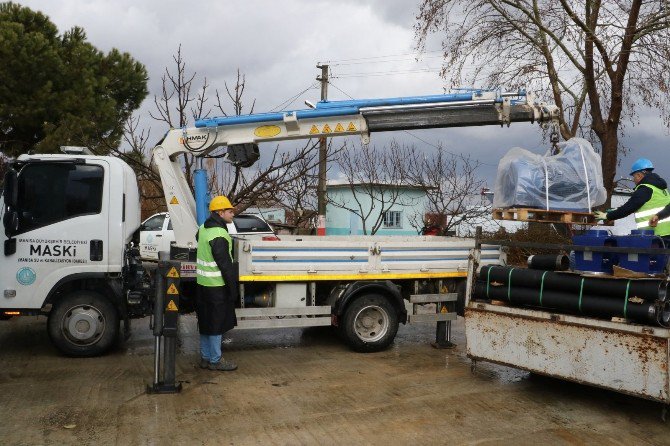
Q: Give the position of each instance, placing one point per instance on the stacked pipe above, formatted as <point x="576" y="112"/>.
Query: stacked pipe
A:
<point x="549" y="262"/>
<point x="639" y="300"/>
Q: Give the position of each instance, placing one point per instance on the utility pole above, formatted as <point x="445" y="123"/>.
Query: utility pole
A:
<point x="323" y="148"/>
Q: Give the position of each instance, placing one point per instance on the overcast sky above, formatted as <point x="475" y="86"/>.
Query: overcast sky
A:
<point x="277" y="45"/>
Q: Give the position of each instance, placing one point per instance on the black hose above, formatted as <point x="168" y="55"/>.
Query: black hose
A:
<point x="586" y="304"/>
<point x="506" y="276"/>
<point x="549" y="262"/>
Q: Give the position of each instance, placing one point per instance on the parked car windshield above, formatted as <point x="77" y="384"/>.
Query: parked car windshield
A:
<point x="250" y="223"/>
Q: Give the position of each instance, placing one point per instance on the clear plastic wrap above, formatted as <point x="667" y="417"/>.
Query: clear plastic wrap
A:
<point x="570" y="180"/>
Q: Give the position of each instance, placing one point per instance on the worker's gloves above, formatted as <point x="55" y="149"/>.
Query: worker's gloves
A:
<point x="600" y="215"/>
<point x="653" y="221"/>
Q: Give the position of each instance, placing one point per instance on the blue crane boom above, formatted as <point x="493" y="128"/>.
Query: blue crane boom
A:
<point x="242" y="134"/>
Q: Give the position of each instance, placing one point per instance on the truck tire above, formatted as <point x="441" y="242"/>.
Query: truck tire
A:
<point x="83" y="323"/>
<point x="370" y="323"/>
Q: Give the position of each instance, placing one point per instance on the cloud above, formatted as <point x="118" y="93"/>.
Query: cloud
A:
<point x="277" y="45"/>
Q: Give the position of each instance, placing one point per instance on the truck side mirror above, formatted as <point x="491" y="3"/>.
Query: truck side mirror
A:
<point x="11" y="192"/>
<point x="10" y="246"/>
<point x="11" y="218"/>
<point x="11" y="222"/>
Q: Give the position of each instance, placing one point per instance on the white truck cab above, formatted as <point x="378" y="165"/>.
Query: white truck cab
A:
<point x="67" y="222"/>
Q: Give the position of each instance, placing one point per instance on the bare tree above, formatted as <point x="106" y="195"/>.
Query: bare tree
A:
<point x="453" y="190"/>
<point x="376" y="180"/>
<point x="136" y="152"/>
<point x="178" y="103"/>
<point x="235" y="96"/>
<point x="299" y="197"/>
<point x="267" y="182"/>
<point x="597" y="60"/>
<point x="176" y="106"/>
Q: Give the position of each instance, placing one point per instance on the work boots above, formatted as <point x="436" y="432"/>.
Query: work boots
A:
<point x="223" y="365"/>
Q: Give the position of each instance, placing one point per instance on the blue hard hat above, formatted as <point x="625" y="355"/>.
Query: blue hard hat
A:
<point x="641" y="164"/>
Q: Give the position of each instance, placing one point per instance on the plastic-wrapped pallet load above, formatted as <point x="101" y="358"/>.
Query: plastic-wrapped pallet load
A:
<point x="570" y="180"/>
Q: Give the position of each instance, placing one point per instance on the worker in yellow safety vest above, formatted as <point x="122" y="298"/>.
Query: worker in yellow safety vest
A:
<point x="649" y="198"/>
<point x="216" y="278"/>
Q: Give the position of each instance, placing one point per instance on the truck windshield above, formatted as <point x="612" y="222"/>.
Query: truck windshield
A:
<point x="53" y="192"/>
<point x="250" y="223"/>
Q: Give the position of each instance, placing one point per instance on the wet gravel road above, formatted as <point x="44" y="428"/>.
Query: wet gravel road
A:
<point x="300" y="386"/>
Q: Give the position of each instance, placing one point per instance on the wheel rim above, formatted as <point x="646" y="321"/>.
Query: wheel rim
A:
<point x="371" y="323"/>
<point x="83" y="325"/>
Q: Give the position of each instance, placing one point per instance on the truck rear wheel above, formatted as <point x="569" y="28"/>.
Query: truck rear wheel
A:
<point x="370" y="323"/>
<point x="83" y="323"/>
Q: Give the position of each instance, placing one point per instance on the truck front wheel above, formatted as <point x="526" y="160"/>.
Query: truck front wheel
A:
<point x="370" y="323"/>
<point x="83" y="323"/>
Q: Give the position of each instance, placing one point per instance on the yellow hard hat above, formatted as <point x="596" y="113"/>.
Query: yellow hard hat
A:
<point x="219" y="203"/>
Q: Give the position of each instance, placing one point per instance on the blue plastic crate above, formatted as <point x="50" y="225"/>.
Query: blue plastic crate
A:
<point x="644" y="263"/>
<point x="601" y="262"/>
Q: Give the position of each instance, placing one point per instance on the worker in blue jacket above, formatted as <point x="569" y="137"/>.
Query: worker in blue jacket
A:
<point x="649" y="198"/>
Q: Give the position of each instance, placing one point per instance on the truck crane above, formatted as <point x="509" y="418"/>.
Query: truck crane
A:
<point x="242" y="134"/>
<point x="69" y="220"/>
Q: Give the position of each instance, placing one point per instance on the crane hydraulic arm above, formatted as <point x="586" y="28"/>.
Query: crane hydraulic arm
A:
<point x="242" y="134"/>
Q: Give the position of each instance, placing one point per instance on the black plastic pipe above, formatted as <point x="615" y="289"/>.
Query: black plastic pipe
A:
<point x="647" y="289"/>
<point x="585" y="304"/>
<point x="549" y="262"/>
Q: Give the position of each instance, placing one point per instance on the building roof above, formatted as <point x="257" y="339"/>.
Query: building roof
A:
<point x="337" y="184"/>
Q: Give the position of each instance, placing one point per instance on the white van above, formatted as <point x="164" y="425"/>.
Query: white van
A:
<point x="156" y="232"/>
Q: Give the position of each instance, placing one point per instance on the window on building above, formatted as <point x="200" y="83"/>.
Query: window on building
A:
<point x="392" y="219"/>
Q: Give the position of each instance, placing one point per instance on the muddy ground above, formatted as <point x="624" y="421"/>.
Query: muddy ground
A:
<point x="300" y="386"/>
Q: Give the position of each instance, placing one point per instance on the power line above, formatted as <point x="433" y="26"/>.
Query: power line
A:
<point x="385" y="61"/>
<point x="340" y="90"/>
<point x="331" y="62"/>
<point x="386" y="73"/>
<point x="290" y="100"/>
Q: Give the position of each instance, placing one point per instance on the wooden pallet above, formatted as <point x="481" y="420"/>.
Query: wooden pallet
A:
<point x="546" y="216"/>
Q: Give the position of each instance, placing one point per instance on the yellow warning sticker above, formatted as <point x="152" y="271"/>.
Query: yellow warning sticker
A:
<point x="443" y="310"/>
<point x="173" y="273"/>
<point x="326" y="129"/>
<point x="313" y="130"/>
<point x="174" y="200"/>
<point x="351" y="127"/>
<point x="172" y="289"/>
<point x="339" y="128"/>
<point x="267" y="131"/>
<point x="172" y="306"/>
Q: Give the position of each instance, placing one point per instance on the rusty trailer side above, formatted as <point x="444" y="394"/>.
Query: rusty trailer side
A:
<point x="626" y="358"/>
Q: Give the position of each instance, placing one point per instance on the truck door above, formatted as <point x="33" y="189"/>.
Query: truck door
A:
<point x="151" y="234"/>
<point x="63" y="228"/>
